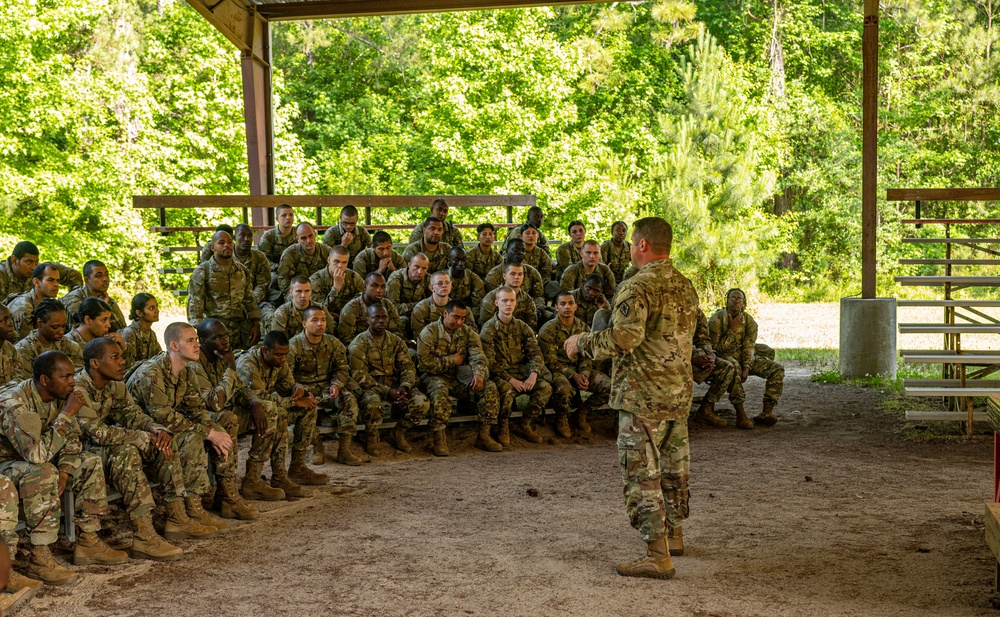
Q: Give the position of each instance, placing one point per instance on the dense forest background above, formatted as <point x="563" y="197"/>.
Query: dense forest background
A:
<point x="738" y="120"/>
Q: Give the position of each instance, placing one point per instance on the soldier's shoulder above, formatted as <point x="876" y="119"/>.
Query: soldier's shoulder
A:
<point x="548" y="327"/>
<point x="291" y="251"/>
<point x="717" y="315"/>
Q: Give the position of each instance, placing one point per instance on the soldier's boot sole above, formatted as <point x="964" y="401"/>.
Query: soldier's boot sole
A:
<point x="240" y="511"/>
<point x="13" y="601"/>
<point x="155" y="551"/>
<point x="300" y="474"/>
<point x="191" y="531"/>
<point x="261" y="491"/>
<point x="647" y="568"/>
<point x="743" y="422"/>
<point x="289" y="487"/>
<point x="763" y="420"/>
<point x="710" y="420"/>
<point x="58" y="576"/>
<point x="110" y="558"/>
<point x="18" y="581"/>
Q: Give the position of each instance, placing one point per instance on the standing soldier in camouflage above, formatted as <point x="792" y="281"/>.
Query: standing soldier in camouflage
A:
<point x="590" y="298"/>
<point x="336" y="284"/>
<point x="450" y="234"/>
<point x="141" y="343"/>
<point x="348" y="234"/>
<point x="45" y="285"/>
<point x="482" y="258"/>
<point x="166" y="388"/>
<point x="288" y="317"/>
<point x="570" y="377"/>
<point x="274" y="241"/>
<point x="49" y="335"/>
<point x="533" y="283"/>
<point x="221" y="288"/>
<point x="466" y="285"/>
<point x="734" y="337"/>
<point x="41" y="452"/>
<point x="302" y="258"/>
<point x="568" y="252"/>
<point x="432" y="309"/>
<point x="354" y="318"/>
<point x="381" y="366"/>
<point x="380" y="257"/>
<point x="513" y="276"/>
<point x="434" y="249"/>
<point x="16" y="272"/>
<point x="127" y="440"/>
<point x="13" y="367"/>
<point x="616" y="252"/>
<point x="653" y="321"/>
<point x="515" y="363"/>
<point x="259" y="268"/>
<point x="237" y="410"/>
<point x="451" y="359"/>
<point x="574" y="276"/>
<point x="719" y="372"/>
<point x="95" y="285"/>
<point x="535" y="217"/>
<point x="405" y="288"/>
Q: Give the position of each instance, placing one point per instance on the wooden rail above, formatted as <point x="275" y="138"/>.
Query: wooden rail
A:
<point x="974" y="194"/>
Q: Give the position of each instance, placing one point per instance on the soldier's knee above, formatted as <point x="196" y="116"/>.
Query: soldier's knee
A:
<point x="125" y="454"/>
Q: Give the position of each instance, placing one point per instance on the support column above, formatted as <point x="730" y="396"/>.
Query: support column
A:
<point x="257" y="110"/>
<point x="869" y="150"/>
<point x="868" y="337"/>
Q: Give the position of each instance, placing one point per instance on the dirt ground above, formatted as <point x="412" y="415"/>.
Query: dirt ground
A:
<point x="831" y="512"/>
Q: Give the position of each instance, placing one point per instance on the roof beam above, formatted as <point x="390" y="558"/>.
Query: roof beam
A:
<point x="320" y="9"/>
<point x="238" y="21"/>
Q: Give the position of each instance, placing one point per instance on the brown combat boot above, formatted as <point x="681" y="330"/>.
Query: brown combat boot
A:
<point x="17" y="581"/>
<point x="281" y="481"/>
<point x="766" y="417"/>
<point x="675" y="541"/>
<point x="197" y="512"/>
<point x="318" y="454"/>
<point x="373" y="444"/>
<point x="91" y="549"/>
<point x="581" y="420"/>
<point x="440" y="443"/>
<point x="503" y="433"/>
<point x="706" y="415"/>
<point x="399" y="439"/>
<point x="44" y="567"/>
<point x="562" y="425"/>
<point x="179" y="526"/>
<point x="484" y="441"/>
<point x="231" y="504"/>
<point x="147" y="544"/>
<point x="656" y="564"/>
<point x="254" y="487"/>
<point x="742" y="420"/>
<point x="301" y="474"/>
<point x="526" y="432"/>
<point x="344" y="454"/>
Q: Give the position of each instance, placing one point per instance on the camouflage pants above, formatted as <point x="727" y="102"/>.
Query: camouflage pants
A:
<point x="656" y="463"/>
<point x="720" y="379"/>
<point x="344" y="407"/>
<point x="303" y="433"/>
<point x="413" y="412"/>
<point x="189" y="452"/>
<point x="772" y="372"/>
<point x="8" y="514"/>
<point x="440" y="387"/>
<point x="235" y="423"/>
<point x="124" y="468"/>
<point x="537" y="400"/>
<point x="566" y="396"/>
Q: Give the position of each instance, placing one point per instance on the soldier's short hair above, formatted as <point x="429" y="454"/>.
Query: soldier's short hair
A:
<point x="596" y="279"/>
<point x="206" y="326"/>
<point x="94" y="350"/>
<point x="592" y="243"/>
<point x="418" y="255"/>
<point x="527" y="226"/>
<point x="309" y="310"/>
<point x="506" y="289"/>
<point x="572" y="224"/>
<point x="302" y="225"/>
<point x="282" y="207"/>
<point x="339" y="249"/>
<point x="381" y="237"/>
<point x="300" y="279"/>
<point x="439" y="202"/>
<point x="241" y="226"/>
<point x="174" y="332"/>
<point x="457" y="250"/>
<point x="480" y="227"/>
<point x="275" y="338"/>
<point x="25" y="248"/>
<point x="224" y="227"/>
<point x="139" y="301"/>
<point x="564" y="293"/>
<point x="45" y="364"/>
<point x="45" y="308"/>
<point x="656" y="231"/>
<point x="371" y="276"/>
<point x="739" y="290"/>
<point x="534" y="209"/>
<point x="507" y="266"/>
<point x="39" y="271"/>
<point x="348" y="210"/>
<point x="440" y="274"/>
<point x="617" y="223"/>
<point x="88" y="268"/>
<point x="432" y="219"/>
<point x="453" y="304"/>
<point x="514" y="241"/>
<point x="91" y="307"/>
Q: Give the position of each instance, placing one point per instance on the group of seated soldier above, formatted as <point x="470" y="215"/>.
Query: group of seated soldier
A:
<point x="284" y="335"/>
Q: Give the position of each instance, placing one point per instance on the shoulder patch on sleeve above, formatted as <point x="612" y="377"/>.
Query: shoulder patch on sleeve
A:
<point x="624" y="308"/>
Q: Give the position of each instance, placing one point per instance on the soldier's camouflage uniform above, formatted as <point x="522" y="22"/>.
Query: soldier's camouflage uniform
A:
<point x="721" y="377"/>
<point x="427" y="312"/>
<point x="259" y="268"/>
<point x="436" y="349"/>
<point x="449" y="234"/>
<point x="13" y="367"/>
<point x="566" y="256"/>
<point x="741" y="349"/>
<point x="116" y="430"/>
<point x="379" y="365"/>
<point x="405" y="294"/>
<point x="525" y="309"/>
<point x="564" y="392"/>
<point x="653" y="321"/>
<point x="515" y="232"/>
<point x="618" y="259"/>
<point x="40" y="442"/>
<point x="585" y="311"/>
<point x="481" y="263"/>
<point x="438" y="258"/>
<point x="174" y="401"/>
<point x="333" y="300"/>
<point x="367" y="261"/>
<point x="354" y="320"/>
<point x="21" y="308"/>
<point x="30" y="347"/>
<point x="632" y="271"/>
<point x="288" y="319"/>
<point x="469" y="289"/>
<point x="532" y="283"/>
<point x="295" y="262"/>
<point x="273" y="244"/>
<point x="512" y="351"/>
<point x="9" y="500"/>
<point x="140" y="345"/>
<point x="541" y="261"/>
<point x="75" y="298"/>
<point x="224" y="292"/>
<point x="12" y="285"/>
<point x="574" y="276"/>
<point x="362" y="240"/>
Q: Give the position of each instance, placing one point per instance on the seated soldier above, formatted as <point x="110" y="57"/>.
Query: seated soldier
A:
<point x="348" y="234"/>
<point x="221" y="288"/>
<point x="45" y="284"/>
<point x="590" y="263"/>
<point x="590" y="298"/>
<point x="451" y="360"/>
<point x="288" y="316"/>
<point x="407" y="287"/>
<point x="719" y="372"/>
<point x="431" y="309"/>
<point x="533" y="283"/>
<point x="94" y="317"/>
<point x="466" y="285"/>
<point x="434" y="249"/>
<point x="381" y="366"/>
<point x="617" y="252"/>
<point x="301" y="259"/>
<point x="513" y="276"/>
<point x="15" y="585"/>
<point x="318" y="361"/>
<point x="259" y="268"/>
<point x="13" y="367"/>
<point x="534" y="256"/>
<point x="166" y="388"/>
<point x="206" y="251"/>
<point x="41" y="452"/>
<point x="131" y="446"/>
<point x="535" y="217"/>
<point x="49" y="334"/>
<point x="450" y="234"/>
<point x="236" y="409"/>
<point x="336" y="284"/>
<point x="734" y="337"/>
<point x="274" y="241"/>
<point x="379" y="258"/>
<point x="568" y="252"/>
<point x="141" y="343"/>
<point x="482" y="258"/>
<point x="16" y="272"/>
<point x="354" y="318"/>
<point x="515" y="363"/>
<point x="570" y="378"/>
<point x="95" y="285"/>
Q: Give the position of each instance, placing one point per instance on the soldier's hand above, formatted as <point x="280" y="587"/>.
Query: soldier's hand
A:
<point x="306" y="402"/>
<point x="477" y="383"/>
<point x="602" y="302"/>
<point x="116" y="337"/>
<point x="744" y="374"/>
<point x="163" y="442"/>
<point x="255" y="333"/>
<point x="403" y="394"/>
<point x="517" y="384"/>
<point x="385" y="264"/>
<point x="258" y="421"/>
<point x="74" y="403"/>
<point x="334" y="390"/>
<point x="228" y="358"/>
<point x="63" y="481"/>
<point x="347" y="238"/>
<point x="571" y="346"/>
<point x="298" y="391"/>
<point x="529" y="383"/>
<point x="458" y="358"/>
<point x="701" y="362"/>
<point x="221" y="443"/>
<point x="581" y="381"/>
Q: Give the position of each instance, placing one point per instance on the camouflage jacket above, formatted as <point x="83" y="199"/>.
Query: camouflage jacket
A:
<point x="481" y="263"/>
<point x="30" y="347"/>
<point x="533" y="283"/>
<point x="13" y="367"/>
<point x="354" y="320"/>
<point x="259" y="268"/>
<point x="574" y="276"/>
<point x="541" y="261"/>
<point x="362" y="240"/>
<point x="404" y="293"/>
<point x="510" y="346"/>
<point x="322" y="288"/>
<point x="515" y="232"/>
<point x="566" y="256"/>
<point x="75" y="298"/>
<point x="294" y="262"/>
<point x="110" y="416"/>
<point x="436" y="348"/>
<point x="36" y="431"/>
<point x="728" y="343"/>
<point x="224" y="292"/>
<point x="22" y="306"/>
<point x="524" y="311"/>
<point x="288" y="319"/>
<point x="653" y="320"/>
<point x="449" y="234"/>
<point x="426" y="311"/>
<point x="172" y="400"/>
<point x="585" y="311"/>
<point x="140" y="345"/>
<point x="367" y="261"/>
<point x="268" y="384"/>
<point x="550" y="341"/>
<point x="221" y="387"/>
<point x="468" y="289"/>
<point x="438" y="258"/>
<point x="379" y="365"/>
<point x="618" y="259"/>
<point x="273" y="244"/>
<point x="320" y="365"/>
<point x="12" y="285"/>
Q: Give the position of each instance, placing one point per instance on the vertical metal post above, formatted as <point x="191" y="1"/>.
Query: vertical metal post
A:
<point x="869" y="149"/>
<point x="510" y="214"/>
<point x="319" y="215"/>
<point x="918" y="225"/>
<point x="258" y="117"/>
<point x="163" y="220"/>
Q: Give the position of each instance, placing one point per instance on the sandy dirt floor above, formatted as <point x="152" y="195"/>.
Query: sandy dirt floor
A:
<point x="831" y="512"/>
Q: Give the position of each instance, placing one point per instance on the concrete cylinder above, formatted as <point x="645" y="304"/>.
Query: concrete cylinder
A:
<point x="868" y="337"/>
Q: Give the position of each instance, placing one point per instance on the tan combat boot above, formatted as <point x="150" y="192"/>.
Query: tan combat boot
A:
<point x="344" y="454"/>
<point x="766" y="417"/>
<point x="231" y="504"/>
<point x="399" y="439"/>
<point x="503" y="433"/>
<point x="440" y="443"/>
<point x="581" y="419"/>
<point x="675" y="541"/>
<point x="254" y="487"/>
<point x="280" y="480"/>
<point x="706" y="415"/>
<point x="91" y="549"/>
<point x="147" y="544"/>
<point x="44" y="567"/>
<point x="197" y="512"/>
<point x="180" y="527"/>
<point x="17" y="581"/>
<point x="742" y="420"/>
<point x="300" y="473"/>
<point x="526" y="432"/>
<point x="372" y="444"/>
<point x="318" y="454"/>
<point x="562" y="425"/>
<point x="656" y="564"/>
<point x="484" y="441"/>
